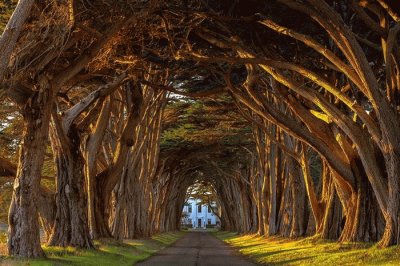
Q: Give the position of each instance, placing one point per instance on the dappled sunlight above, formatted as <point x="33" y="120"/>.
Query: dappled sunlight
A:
<point x="134" y="243"/>
<point x="306" y="251"/>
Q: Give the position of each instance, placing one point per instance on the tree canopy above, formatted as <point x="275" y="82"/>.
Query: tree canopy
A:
<point x="288" y="110"/>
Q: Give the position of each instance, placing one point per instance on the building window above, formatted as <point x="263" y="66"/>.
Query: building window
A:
<point x="199" y="208"/>
<point x="209" y="209"/>
<point x="209" y="221"/>
<point x="189" y="221"/>
<point x="190" y="209"/>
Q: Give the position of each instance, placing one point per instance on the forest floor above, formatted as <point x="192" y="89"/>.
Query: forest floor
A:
<point x="308" y="251"/>
<point x="107" y="253"/>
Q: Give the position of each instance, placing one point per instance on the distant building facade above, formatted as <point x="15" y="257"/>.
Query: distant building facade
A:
<point x="199" y="216"/>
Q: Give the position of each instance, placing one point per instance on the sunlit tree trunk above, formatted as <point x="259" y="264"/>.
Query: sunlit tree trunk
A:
<point x="23" y="233"/>
<point x="71" y="223"/>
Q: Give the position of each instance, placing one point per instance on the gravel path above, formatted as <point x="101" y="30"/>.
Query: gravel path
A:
<point x="197" y="249"/>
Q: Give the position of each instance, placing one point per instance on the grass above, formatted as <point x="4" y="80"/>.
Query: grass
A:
<point x="308" y="251"/>
<point x="3" y="240"/>
<point x="107" y="253"/>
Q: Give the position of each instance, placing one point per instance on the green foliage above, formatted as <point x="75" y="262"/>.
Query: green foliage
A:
<point x="3" y="237"/>
<point x="202" y="123"/>
<point x="204" y="192"/>
<point x="6" y="9"/>
<point x="5" y="199"/>
<point x="107" y="253"/>
<point x="3" y="241"/>
<point x="11" y="128"/>
<point x="10" y="135"/>
<point x="178" y="134"/>
<point x="308" y="251"/>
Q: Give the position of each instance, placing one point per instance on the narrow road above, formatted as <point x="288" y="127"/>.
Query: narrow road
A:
<point x="197" y="249"/>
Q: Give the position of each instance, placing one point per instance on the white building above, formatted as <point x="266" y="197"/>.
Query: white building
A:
<point x="199" y="216"/>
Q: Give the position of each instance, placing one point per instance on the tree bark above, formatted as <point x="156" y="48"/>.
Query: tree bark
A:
<point x="71" y="223"/>
<point x="107" y="180"/>
<point x="11" y="33"/>
<point x="23" y="233"/>
<point x="300" y="205"/>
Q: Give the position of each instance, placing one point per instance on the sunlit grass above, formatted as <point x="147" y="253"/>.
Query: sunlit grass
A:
<point x="107" y="253"/>
<point x="307" y="251"/>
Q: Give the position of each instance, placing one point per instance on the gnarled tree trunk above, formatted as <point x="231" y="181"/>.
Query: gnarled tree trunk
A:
<point x="71" y="223"/>
<point x="23" y="233"/>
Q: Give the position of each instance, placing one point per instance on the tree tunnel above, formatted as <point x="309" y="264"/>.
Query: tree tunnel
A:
<point x="289" y="109"/>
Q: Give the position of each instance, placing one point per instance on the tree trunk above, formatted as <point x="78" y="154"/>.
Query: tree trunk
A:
<point x="264" y="204"/>
<point x="100" y="227"/>
<point x="273" y="186"/>
<point x="300" y="206"/>
<point x="391" y="235"/>
<point x="331" y="226"/>
<point x="23" y="233"/>
<point x="47" y="211"/>
<point x="286" y="209"/>
<point x="9" y="37"/>
<point x="360" y="207"/>
<point x="316" y="206"/>
<point x="71" y="223"/>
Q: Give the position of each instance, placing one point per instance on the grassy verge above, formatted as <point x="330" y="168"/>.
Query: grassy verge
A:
<point x="107" y="253"/>
<point x="3" y="241"/>
<point x="307" y="251"/>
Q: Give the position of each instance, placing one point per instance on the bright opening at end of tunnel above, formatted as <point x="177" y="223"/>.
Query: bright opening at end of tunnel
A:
<point x="201" y="209"/>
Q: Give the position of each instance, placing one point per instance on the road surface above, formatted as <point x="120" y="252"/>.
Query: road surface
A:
<point x="197" y="249"/>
